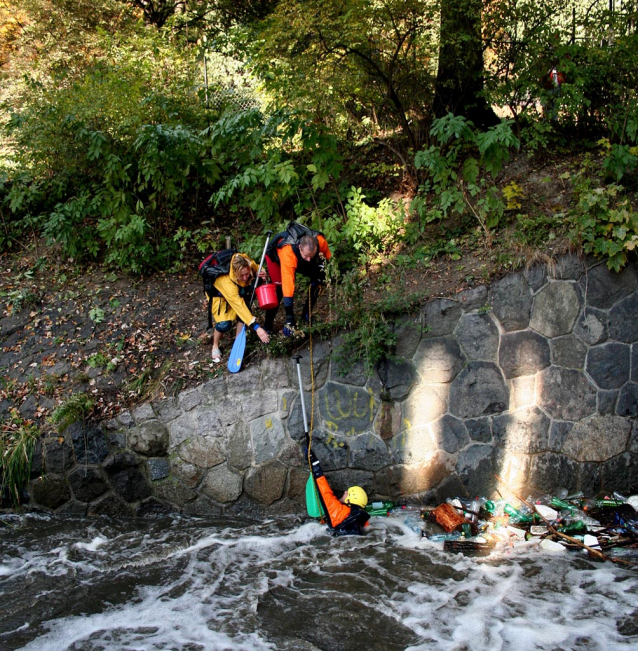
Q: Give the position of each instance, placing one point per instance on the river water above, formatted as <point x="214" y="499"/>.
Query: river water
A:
<point x="199" y="585"/>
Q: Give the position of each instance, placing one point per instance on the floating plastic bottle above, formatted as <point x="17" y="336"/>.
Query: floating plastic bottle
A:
<point x="517" y="515"/>
<point x="577" y="526"/>
<point x="372" y="512"/>
<point x="608" y="502"/>
<point x="415" y="523"/>
<point x="561" y="504"/>
<point x="380" y="505"/>
<point x="441" y="537"/>
<point x="417" y="508"/>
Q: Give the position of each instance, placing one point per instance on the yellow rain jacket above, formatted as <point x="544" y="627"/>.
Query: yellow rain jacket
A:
<point x="230" y="304"/>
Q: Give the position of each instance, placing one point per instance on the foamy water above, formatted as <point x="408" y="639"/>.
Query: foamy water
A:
<point x="191" y="585"/>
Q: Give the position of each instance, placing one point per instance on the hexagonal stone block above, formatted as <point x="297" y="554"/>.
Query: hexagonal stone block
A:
<point x="297" y="480"/>
<point x="556" y="308"/>
<point x="511" y="300"/>
<point x="150" y="438"/>
<point x="268" y="438"/>
<point x="51" y="492"/>
<point x="558" y="434"/>
<point x="472" y="299"/>
<point x="347" y="409"/>
<point x="239" y="447"/>
<point x="266" y="482"/>
<point x="522" y="432"/>
<point x="450" y="434"/>
<point x="479" y="390"/>
<point x="522" y="392"/>
<point x="605" y="287"/>
<point x="623" y="324"/>
<point x="173" y="491"/>
<point x="406" y="480"/>
<point x="566" y="394"/>
<point x="110" y="505"/>
<point x="130" y="484"/>
<point x="413" y="446"/>
<point x="438" y="360"/>
<point x="607" y="401"/>
<point x="478" y="336"/>
<point x="621" y="474"/>
<point x="408" y="330"/>
<point x="87" y="483"/>
<point x="627" y="404"/>
<point x="321" y="354"/>
<point x="58" y="455"/>
<point x="202" y="452"/>
<point x="598" y="438"/>
<point x="89" y="443"/>
<point x="425" y="404"/>
<point x="523" y="353"/>
<point x="548" y="472"/>
<point x="388" y="421"/>
<point x="475" y="469"/>
<point x="158" y="469"/>
<point x="592" y="326"/>
<point x="222" y="484"/>
<point x="397" y="376"/>
<point x="568" y="351"/>
<point x="440" y="317"/>
<point x="569" y="267"/>
<point x="608" y="365"/>
<point x="331" y="449"/>
<point x="479" y="429"/>
<point x="536" y="276"/>
<point x="368" y="452"/>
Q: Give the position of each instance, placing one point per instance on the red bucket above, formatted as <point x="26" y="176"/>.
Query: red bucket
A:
<point x="267" y="296"/>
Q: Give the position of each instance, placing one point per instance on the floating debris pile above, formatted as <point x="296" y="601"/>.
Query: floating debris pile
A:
<point x="604" y="527"/>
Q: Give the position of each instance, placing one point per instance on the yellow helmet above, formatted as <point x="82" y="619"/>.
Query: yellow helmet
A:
<point x="356" y="495"/>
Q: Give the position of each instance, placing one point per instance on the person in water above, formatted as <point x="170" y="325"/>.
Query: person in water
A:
<point x="346" y="516"/>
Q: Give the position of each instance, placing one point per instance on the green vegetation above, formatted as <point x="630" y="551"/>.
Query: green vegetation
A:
<point x="17" y="442"/>
<point x="76" y="407"/>
<point x="135" y="133"/>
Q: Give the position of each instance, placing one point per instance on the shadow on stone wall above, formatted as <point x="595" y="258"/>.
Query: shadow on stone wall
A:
<point x="534" y="379"/>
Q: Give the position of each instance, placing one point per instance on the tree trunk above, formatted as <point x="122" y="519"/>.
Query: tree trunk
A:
<point x="459" y="80"/>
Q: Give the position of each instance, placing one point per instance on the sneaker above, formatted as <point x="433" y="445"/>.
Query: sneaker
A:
<point x="216" y="355"/>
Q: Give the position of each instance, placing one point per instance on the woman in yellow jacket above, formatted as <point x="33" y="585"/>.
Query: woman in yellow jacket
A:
<point x="230" y="301"/>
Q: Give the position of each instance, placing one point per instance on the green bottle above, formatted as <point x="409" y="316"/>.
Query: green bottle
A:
<point x="561" y="504"/>
<point x="385" y="505"/>
<point x="611" y="502"/>
<point x="578" y="526"/>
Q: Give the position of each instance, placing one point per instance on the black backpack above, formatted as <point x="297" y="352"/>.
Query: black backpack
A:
<point x="293" y="233"/>
<point x="215" y="265"/>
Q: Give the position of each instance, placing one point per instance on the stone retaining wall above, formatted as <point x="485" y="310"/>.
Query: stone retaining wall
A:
<point x="534" y="379"/>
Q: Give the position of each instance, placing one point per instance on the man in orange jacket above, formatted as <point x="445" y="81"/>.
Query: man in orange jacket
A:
<point x="296" y="250"/>
<point x="346" y="516"/>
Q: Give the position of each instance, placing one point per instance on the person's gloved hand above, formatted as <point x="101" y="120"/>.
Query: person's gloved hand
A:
<point x="314" y="464"/>
<point x="289" y="330"/>
<point x="313" y="456"/>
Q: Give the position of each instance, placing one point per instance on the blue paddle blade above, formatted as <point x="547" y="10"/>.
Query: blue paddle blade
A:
<point x="237" y="353"/>
<point x="313" y="505"/>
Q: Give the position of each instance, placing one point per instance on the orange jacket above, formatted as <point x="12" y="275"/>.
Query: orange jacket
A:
<point x="343" y="519"/>
<point x="288" y="262"/>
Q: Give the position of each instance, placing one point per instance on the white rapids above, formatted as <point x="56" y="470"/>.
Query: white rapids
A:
<point x="196" y="585"/>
